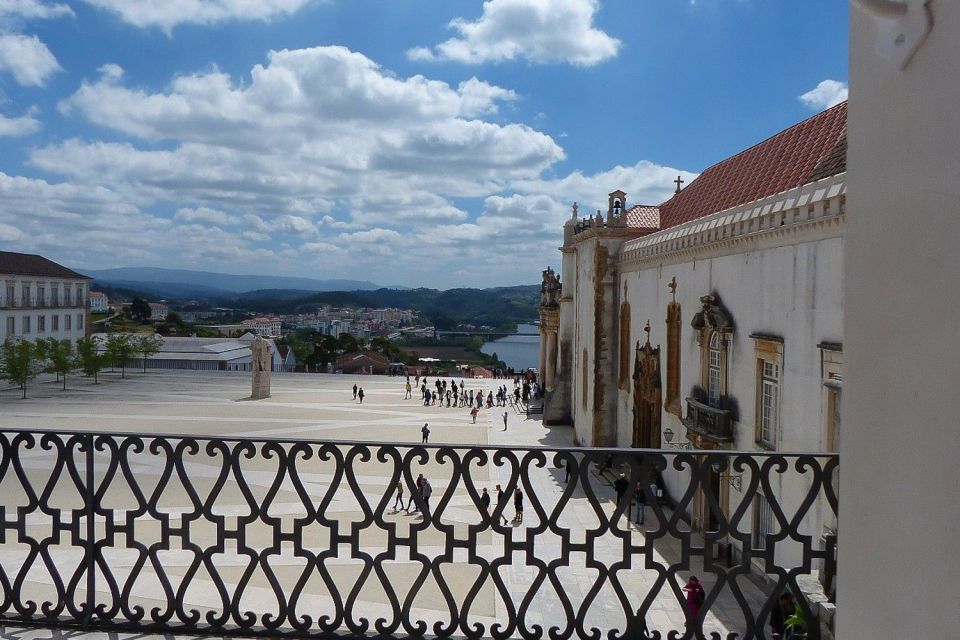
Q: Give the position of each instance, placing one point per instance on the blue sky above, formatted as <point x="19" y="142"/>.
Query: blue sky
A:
<point x="419" y="142"/>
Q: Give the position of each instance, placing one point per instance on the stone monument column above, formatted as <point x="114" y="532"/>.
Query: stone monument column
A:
<point x="262" y="362"/>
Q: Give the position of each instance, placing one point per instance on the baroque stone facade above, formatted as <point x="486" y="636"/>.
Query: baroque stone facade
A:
<point x="711" y="321"/>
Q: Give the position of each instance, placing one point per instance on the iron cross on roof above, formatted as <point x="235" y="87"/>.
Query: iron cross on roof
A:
<point x="679" y="181"/>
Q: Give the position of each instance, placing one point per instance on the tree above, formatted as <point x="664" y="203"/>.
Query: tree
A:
<point x="19" y="363"/>
<point x="147" y="345"/>
<point x="346" y="343"/>
<point x="140" y="309"/>
<point x="120" y="350"/>
<point x="59" y="356"/>
<point x="89" y="359"/>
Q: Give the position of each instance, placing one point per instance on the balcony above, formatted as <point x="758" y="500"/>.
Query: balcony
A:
<point x="298" y="538"/>
<point x="710" y="422"/>
<point x="40" y="304"/>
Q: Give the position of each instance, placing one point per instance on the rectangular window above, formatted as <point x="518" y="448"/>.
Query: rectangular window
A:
<point x="41" y="324"/>
<point x="11" y="325"/>
<point x="79" y="321"/>
<point x="769" y="402"/>
<point x="26" y="324"/>
<point x="80" y="295"/>
<point x="763" y="522"/>
<point x="10" y="295"/>
<point x="769" y="354"/>
<point x="66" y="296"/>
<point x="66" y="322"/>
<point x="55" y="326"/>
<point x="41" y="296"/>
<point x="54" y="296"/>
<point x="25" y="300"/>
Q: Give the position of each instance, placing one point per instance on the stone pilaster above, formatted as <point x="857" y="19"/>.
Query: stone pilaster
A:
<point x="604" y="407"/>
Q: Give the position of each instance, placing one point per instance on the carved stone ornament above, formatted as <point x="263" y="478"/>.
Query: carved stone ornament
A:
<point x="712" y="315"/>
<point x="550" y="288"/>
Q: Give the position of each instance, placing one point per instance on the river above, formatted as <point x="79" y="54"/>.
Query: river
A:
<point x="518" y="351"/>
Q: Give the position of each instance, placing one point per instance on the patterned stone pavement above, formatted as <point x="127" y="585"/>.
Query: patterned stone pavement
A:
<point x="321" y="407"/>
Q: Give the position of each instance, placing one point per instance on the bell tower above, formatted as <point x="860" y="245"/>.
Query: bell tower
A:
<point x="616" y="206"/>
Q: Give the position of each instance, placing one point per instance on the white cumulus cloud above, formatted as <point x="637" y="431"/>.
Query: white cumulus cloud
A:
<point x="644" y="182"/>
<point x="828" y="93"/>
<point x="541" y="31"/>
<point x="20" y="125"/>
<point x="33" y="9"/>
<point x="27" y="58"/>
<point x="167" y="14"/>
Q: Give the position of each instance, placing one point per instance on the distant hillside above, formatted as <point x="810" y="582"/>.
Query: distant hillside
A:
<point x="157" y="290"/>
<point x="500" y="308"/>
<point x="207" y="283"/>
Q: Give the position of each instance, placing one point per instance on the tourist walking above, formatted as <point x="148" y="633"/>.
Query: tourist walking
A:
<point x="354" y="392"/>
<point x="418" y="490"/>
<point x="473" y="414"/>
<point x="695" y="595"/>
<point x="425" y="432"/>
<point x="485" y="501"/>
<point x="399" y="498"/>
<point x="409" y="394"/>
<point x="505" y="420"/>
<point x="425" y="492"/>
<point x="620" y="486"/>
<point x="502" y="502"/>
<point x="518" y="506"/>
<point x="360" y="395"/>
<point x="640" y="497"/>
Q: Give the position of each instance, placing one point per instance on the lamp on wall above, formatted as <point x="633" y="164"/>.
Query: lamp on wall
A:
<point x="668" y="436"/>
<point x="735" y="481"/>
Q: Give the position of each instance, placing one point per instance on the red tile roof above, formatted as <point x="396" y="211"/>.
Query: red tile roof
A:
<point x="643" y="216"/>
<point x="810" y="150"/>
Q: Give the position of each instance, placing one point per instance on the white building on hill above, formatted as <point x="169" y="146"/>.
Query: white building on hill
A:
<point x="98" y="302"/>
<point x="41" y="299"/>
<point x="266" y="327"/>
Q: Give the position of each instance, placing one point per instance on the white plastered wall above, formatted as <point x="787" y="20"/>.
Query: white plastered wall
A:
<point x="898" y="564"/>
<point x="792" y="291"/>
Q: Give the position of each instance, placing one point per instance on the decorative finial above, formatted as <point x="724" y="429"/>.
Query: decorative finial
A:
<point x="647" y="329"/>
<point x="672" y="285"/>
<point x="575" y="210"/>
<point x="679" y="181"/>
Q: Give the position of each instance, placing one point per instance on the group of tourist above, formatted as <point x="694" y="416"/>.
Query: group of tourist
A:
<point x="425" y="491"/>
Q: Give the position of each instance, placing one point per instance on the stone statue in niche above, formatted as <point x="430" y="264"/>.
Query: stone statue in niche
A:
<point x="550" y="288"/>
<point x="261" y="363"/>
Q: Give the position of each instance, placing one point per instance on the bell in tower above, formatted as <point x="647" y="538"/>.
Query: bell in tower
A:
<point x="617" y="206"/>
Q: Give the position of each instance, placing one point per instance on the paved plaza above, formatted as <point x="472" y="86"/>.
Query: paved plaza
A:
<point x="322" y="407"/>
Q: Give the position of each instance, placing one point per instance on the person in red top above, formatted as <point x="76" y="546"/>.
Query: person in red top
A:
<point x="695" y="595"/>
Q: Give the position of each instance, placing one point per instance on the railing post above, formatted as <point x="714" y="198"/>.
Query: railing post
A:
<point x="89" y="497"/>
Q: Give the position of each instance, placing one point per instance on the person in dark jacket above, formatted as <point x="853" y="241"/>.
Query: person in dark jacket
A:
<point x="485" y="501"/>
<point x="502" y="501"/>
<point x="778" y="617"/>
<point x="518" y="506"/>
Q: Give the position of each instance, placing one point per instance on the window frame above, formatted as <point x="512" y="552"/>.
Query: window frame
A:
<point x="770" y="384"/>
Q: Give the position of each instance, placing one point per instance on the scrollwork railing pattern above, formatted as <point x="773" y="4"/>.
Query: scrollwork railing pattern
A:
<point x="297" y="538"/>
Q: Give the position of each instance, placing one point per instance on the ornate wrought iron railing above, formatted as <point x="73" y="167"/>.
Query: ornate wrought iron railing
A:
<point x="300" y="539"/>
